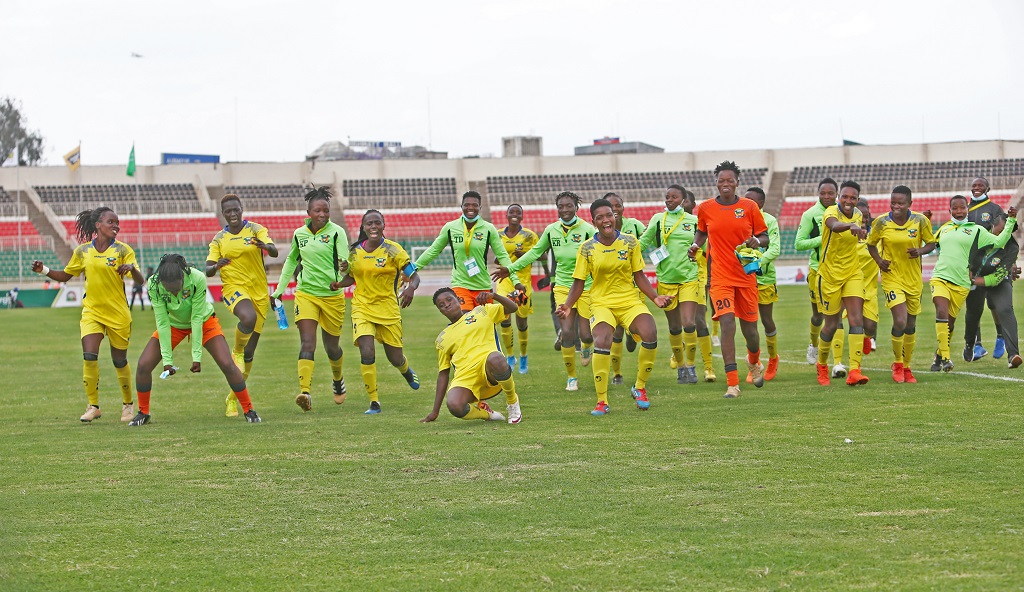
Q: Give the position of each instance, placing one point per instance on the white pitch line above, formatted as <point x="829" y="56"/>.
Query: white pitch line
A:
<point x="974" y="374"/>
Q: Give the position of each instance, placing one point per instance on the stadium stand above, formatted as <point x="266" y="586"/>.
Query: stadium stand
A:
<point x="5" y="197"/>
<point x="68" y="200"/>
<point x="638" y="187"/>
<point x="399" y="193"/>
<point x="929" y="176"/>
<point x="268" y="197"/>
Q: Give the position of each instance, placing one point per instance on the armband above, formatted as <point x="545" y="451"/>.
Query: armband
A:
<point x="409" y="269"/>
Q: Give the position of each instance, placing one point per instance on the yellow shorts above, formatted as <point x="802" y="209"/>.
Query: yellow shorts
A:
<point x="812" y="284"/>
<point x="329" y="311"/>
<point x="896" y="295"/>
<point x="582" y="305"/>
<point x="474" y="378"/>
<point x="389" y="334"/>
<point x="767" y="293"/>
<point x="118" y="336"/>
<point x="261" y="302"/>
<point x="688" y="292"/>
<point x="506" y="287"/>
<point x="830" y="296"/>
<point x="871" y="300"/>
<point x="619" y="317"/>
<point x="950" y="291"/>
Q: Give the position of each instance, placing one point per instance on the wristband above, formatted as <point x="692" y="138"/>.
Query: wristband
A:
<point x="45" y="270"/>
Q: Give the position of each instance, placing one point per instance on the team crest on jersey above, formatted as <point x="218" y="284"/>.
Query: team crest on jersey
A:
<point x="248" y="240"/>
<point x="324" y="239"/>
<point x="994" y="262"/>
<point x="912" y="233"/>
<point x="111" y="261"/>
<point x="478" y="235"/>
<point x="381" y="261"/>
<point x="985" y="216"/>
<point x="470" y="319"/>
<point x="739" y="212"/>
<point x="687" y="227"/>
<point x="185" y="294"/>
<point x="622" y="255"/>
<point x="577" y="238"/>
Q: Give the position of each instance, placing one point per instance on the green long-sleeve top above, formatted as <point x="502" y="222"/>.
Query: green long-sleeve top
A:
<point x="808" y="235"/>
<point x="467" y="244"/>
<point x="675" y="230"/>
<point x="320" y="253"/>
<point x="771" y="252"/>
<point x="564" y="242"/>
<point x="188" y="309"/>
<point x="958" y="244"/>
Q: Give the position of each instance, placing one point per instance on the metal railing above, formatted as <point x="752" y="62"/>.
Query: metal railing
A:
<point x="127" y="207"/>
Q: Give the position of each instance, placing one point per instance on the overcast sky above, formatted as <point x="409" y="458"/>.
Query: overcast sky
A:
<point x="271" y="81"/>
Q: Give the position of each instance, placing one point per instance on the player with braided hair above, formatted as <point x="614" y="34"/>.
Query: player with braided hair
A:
<point x="105" y="261"/>
<point x="321" y="246"/>
<point x="517" y="240"/>
<point x="177" y="292"/>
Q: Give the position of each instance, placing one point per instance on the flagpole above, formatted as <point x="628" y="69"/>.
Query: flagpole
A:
<point x="80" y="199"/>
<point x="17" y="185"/>
<point x="138" y="206"/>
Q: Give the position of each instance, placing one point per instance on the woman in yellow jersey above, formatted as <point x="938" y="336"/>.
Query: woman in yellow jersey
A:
<point x="321" y="246"/>
<point x="614" y="262"/>
<point x="700" y="316"/>
<point x="896" y="243"/>
<point x="634" y="227"/>
<point x="376" y="267"/>
<point x="237" y="252"/>
<point x="517" y="241"/>
<point x="105" y="261"/>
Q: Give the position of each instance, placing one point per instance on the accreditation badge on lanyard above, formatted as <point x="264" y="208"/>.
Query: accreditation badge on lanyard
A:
<point x="472" y="268"/>
<point x="660" y="254"/>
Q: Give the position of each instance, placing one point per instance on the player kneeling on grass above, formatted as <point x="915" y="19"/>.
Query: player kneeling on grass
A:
<point x="469" y="345"/>
<point x="178" y="294"/>
<point x="614" y="262"/>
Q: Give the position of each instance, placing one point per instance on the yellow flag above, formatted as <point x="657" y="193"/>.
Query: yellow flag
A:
<point x="74" y="158"/>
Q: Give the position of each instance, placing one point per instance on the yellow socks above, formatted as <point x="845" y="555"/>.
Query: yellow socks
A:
<point x="704" y="341"/>
<point x="506" y="339"/>
<point x="909" y="341"/>
<point x="689" y="346"/>
<point x="824" y="347"/>
<point x="524" y="336"/>
<point x="569" y="358"/>
<point x="508" y="386"/>
<point x="856" y="347"/>
<point x="616" y="354"/>
<point x="91" y="376"/>
<point x="838" y="345"/>
<point x="815" y="332"/>
<point x="124" y="380"/>
<point x="336" y="367"/>
<point x="369" y="372"/>
<point x="247" y="369"/>
<point x="476" y="413"/>
<point x="772" y="342"/>
<point x="241" y="340"/>
<point x="404" y="367"/>
<point x="715" y="327"/>
<point x="645" y="362"/>
<point x="602" y="366"/>
<point x="897" y="348"/>
<point x="305" y="375"/>
<point x="675" y="341"/>
<point x="942" y="332"/>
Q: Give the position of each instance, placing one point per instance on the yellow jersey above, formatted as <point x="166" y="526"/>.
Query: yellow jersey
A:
<point x="904" y="273"/>
<point x="471" y="338"/>
<point x="523" y="241"/>
<point x="611" y="267"/>
<point x="377" y="273"/>
<point x="839" y="250"/>
<point x="246" y="270"/>
<point x="104" y="298"/>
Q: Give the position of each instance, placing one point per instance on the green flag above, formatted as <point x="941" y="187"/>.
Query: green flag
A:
<point x="131" y="163"/>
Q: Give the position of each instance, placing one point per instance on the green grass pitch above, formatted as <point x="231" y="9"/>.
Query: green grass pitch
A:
<point x="758" y="493"/>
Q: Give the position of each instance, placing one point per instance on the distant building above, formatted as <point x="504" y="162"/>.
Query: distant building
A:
<point x="608" y="145"/>
<point x="372" y="151"/>
<point x="522" y="146"/>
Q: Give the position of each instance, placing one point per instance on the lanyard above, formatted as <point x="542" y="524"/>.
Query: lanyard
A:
<point x="670" y="230"/>
<point x="466" y="236"/>
<point x="566" y="229"/>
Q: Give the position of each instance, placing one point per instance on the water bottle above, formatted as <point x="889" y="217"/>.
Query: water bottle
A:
<point x="282" y="318"/>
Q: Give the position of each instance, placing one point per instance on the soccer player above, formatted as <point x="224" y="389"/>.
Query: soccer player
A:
<point x="983" y="212"/>
<point x="517" y="241"/>
<point x="564" y="238"/>
<point x="727" y="223"/>
<point x="237" y="252"/>
<point x="376" y="266"/>
<point x="959" y="240"/>
<point x="840" y="281"/>
<point x="808" y="238"/>
<point x="997" y="271"/>
<point x="896" y="243"/>
<point x="869" y="269"/>
<point x="469" y="238"/>
<point x="633" y="227"/>
<point x="177" y="293"/>
<point x="668" y="238"/>
<point x="469" y="344"/>
<point x="322" y="248"/>
<point x="767" y="291"/>
<point x="704" y="341"/>
<point x="615" y="265"/>
<point x="105" y="261"/>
